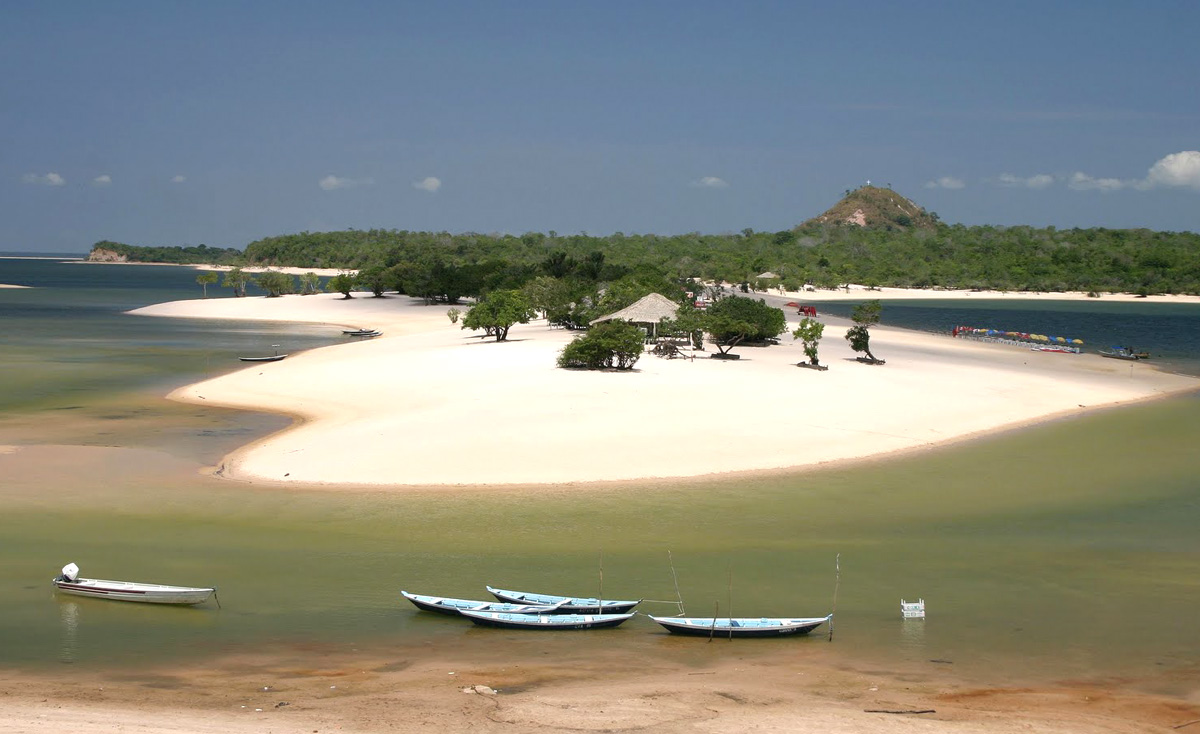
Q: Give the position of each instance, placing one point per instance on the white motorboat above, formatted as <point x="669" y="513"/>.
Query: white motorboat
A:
<point x="69" y="582"/>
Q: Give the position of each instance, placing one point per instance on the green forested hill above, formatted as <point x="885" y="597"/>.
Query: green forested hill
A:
<point x="899" y="245"/>
<point x="876" y="208"/>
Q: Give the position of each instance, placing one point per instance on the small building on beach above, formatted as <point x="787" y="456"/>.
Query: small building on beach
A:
<point x="645" y="313"/>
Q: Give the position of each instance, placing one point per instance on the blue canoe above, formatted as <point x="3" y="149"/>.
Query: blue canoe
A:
<point x="570" y="604"/>
<point x="545" y="621"/>
<point x="741" y="626"/>
<point x="445" y="605"/>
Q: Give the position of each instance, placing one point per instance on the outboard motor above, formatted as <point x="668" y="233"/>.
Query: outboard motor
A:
<point x="71" y="572"/>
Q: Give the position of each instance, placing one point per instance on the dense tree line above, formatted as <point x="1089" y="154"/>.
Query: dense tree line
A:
<point x="440" y="266"/>
<point x="174" y="255"/>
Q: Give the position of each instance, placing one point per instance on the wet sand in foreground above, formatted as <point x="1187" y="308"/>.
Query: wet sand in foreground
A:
<point x="800" y="686"/>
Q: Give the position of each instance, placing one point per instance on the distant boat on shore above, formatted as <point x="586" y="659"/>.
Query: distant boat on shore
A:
<point x="272" y="358"/>
<point x="1124" y="353"/>
<point x="1059" y="350"/>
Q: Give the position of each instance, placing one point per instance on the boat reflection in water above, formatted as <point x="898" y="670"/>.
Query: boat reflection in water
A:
<point x="68" y="645"/>
<point x="912" y="636"/>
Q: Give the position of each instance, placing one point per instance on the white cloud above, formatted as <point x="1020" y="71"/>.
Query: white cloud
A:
<point x="50" y="179"/>
<point x="1177" y="169"/>
<point x="102" y="180"/>
<point x="946" y="182"/>
<point x="331" y="182"/>
<point x="1082" y="182"/>
<point x="429" y="183"/>
<point x="1038" y="181"/>
<point x="710" y="182"/>
<point x="178" y="179"/>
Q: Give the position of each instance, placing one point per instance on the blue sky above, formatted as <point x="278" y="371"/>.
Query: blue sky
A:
<point x="171" y="123"/>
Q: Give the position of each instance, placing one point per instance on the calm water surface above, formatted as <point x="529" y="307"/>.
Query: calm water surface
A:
<point x="1170" y="332"/>
<point x="1068" y="550"/>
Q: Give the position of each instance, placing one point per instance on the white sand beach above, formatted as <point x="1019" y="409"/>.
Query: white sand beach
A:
<point x="431" y="404"/>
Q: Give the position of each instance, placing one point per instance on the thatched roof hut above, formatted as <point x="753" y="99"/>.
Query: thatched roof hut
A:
<point x="646" y="312"/>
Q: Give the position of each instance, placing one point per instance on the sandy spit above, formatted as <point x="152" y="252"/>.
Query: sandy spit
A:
<point x="431" y="404"/>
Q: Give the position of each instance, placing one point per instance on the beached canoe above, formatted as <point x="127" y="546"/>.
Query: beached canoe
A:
<point x="1057" y="350"/>
<point x="1124" y="353"/>
<point x="69" y="582"/>
<point x="741" y="626"/>
<point x="570" y="604"/>
<point x="444" y="605"/>
<point x="362" y="332"/>
<point x="273" y="358"/>
<point x="545" y="621"/>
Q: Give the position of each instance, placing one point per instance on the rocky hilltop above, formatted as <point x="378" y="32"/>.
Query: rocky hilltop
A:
<point x="873" y="207"/>
<point x="101" y="254"/>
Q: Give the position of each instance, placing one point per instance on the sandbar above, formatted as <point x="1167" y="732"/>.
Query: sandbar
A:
<point x="429" y="403"/>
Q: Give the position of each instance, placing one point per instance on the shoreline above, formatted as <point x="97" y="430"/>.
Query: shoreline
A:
<point x="714" y="478"/>
<point x="323" y="272"/>
<point x="857" y="292"/>
<point x="799" y="685"/>
<point x="774" y="421"/>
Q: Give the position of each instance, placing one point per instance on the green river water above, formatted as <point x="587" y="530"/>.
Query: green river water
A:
<point x="1067" y="550"/>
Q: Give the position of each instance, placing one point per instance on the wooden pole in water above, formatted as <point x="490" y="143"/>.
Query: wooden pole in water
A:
<point x="837" y="565"/>
<point x="731" y="601"/>
<point x="600" y="599"/>
<point x="676" y="580"/>
<point x="712" y="630"/>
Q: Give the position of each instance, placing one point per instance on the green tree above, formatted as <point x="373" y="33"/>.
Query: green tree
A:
<point x="592" y="266"/>
<point x="864" y="316"/>
<point x="207" y="279"/>
<point x="275" y="283"/>
<point x="809" y="332"/>
<point x="608" y="345"/>
<point x="689" y="322"/>
<point x="310" y="283"/>
<point x="497" y="313"/>
<point x="549" y="295"/>
<point x="558" y="264"/>
<point x="237" y="280"/>
<point x="373" y="278"/>
<point x="341" y="283"/>
<point x="731" y="321"/>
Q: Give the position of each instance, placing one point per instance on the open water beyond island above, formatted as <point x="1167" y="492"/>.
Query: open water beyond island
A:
<point x="1064" y="551"/>
<point x="1170" y="332"/>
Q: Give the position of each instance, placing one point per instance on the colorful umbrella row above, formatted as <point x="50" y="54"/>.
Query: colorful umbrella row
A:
<point x="1024" y="336"/>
